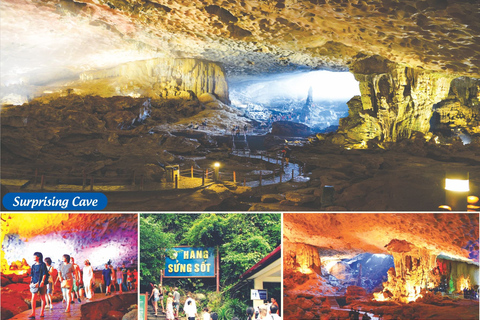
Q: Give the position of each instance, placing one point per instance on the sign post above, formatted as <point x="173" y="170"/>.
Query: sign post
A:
<point x="190" y="262"/>
<point x="217" y="271"/>
<point x="258" y="294"/>
<point x="143" y="307"/>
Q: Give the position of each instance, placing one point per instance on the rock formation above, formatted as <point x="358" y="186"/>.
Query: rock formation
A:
<point x="156" y="78"/>
<point x="460" y="110"/>
<point x="396" y="101"/>
<point x="304" y="258"/>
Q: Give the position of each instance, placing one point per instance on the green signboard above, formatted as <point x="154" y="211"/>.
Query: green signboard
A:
<point x="143" y="307"/>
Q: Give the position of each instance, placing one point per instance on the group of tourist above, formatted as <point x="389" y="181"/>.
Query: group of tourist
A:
<point x="196" y="126"/>
<point x="125" y="279"/>
<point x="75" y="283"/>
<point x="471" y="293"/>
<point x="268" y="311"/>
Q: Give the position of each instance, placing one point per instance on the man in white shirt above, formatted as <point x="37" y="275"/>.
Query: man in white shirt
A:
<point x="190" y="308"/>
<point x="273" y="313"/>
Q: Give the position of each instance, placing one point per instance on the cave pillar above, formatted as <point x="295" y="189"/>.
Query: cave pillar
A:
<point x="303" y="257"/>
<point x="396" y="101"/>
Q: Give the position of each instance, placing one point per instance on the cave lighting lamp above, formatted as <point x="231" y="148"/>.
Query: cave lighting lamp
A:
<point x="216" y="164"/>
<point x="472" y="199"/>
<point x="457" y="184"/>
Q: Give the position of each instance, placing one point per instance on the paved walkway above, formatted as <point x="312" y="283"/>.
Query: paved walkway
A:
<point x="58" y="312"/>
<point x="286" y="175"/>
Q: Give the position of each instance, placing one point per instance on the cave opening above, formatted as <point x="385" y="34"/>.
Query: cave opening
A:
<point x="317" y="98"/>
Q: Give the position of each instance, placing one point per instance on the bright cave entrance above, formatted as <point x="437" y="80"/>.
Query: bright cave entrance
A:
<point x="317" y="99"/>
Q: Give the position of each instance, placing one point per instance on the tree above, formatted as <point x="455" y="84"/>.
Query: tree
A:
<point x="154" y="245"/>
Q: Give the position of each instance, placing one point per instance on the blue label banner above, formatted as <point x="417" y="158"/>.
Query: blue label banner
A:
<point x="190" y="262"/>
<point x="55" y="201"/>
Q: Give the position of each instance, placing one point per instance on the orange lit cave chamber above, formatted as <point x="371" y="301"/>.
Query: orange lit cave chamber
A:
<point x="419" y="273"/>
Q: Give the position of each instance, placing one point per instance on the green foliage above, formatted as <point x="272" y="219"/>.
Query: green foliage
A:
<point x="224" y="313"/>
<point x="242" y="253"/>
<point x="243" y="240"/>
<point x="208" y="230"/>
<point x="153" y="245"/>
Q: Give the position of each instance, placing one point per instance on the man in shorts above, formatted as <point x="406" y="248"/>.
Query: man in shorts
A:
<point x="77" y="281"/>
<point x="107" y="278"/>
<point x="176" y="301"/>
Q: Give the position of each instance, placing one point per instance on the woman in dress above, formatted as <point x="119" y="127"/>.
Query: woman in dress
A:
<point x="88" y="279"/>
<point x="65" y="274"/>
<point x="170" y="315"/>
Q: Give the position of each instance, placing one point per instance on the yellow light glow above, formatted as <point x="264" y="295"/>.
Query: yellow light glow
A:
<point x="472" y="199"/>
<point x="464" y="283"/>
<point x="216" y="164"/>
<point x="305" y="270"/>
<point x="379" y="296"/>
<point x="457" y="185"/>
<point x="445" y="207"/>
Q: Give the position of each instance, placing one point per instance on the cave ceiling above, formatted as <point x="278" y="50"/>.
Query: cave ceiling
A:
<point x="47" y="41"/>
<point x="452" y="235"/>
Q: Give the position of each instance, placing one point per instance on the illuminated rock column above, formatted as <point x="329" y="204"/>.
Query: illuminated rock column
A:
<point x="303" y="257"/>
<point x="396" y="101"/>
<point x="412" y="274"/>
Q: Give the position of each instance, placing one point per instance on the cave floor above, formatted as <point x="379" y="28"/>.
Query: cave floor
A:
<point x="58" y="312"/>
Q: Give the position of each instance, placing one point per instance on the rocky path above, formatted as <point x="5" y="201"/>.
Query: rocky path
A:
<point x="58" y="311"/>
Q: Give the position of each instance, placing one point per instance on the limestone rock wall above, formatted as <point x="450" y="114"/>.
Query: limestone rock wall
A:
<point x="303" y="257"/>
<point x="461" y="109"/>
<point x="395" y="101"/>
<point x="157" y="78"/>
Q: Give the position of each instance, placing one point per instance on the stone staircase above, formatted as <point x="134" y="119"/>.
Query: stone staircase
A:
<point x="240" y="143"/>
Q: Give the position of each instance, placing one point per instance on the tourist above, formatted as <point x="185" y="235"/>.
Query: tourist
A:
<point x="88" y="279"/>
<point x="274" y="303"/>
<point x="129" y="280"/>
<point x="66" y="275"/>
<point x="124" y="274"/>
<point x="250" y="313"/>
<point x="156" y="298"/>
<point x="214" y="316"/>
<point x="274" y="312"/>
<point x="170" y="315"/>
<point x="160" y="289"/>
<point x="262" y="312"/>
<point x="77" y="280"/>
<point x="135" y="280"/>
<point x="119" y="277"/>
<point x="52" y="276"/>
<point x="107" y="278"/>
<point x="190" y="308"/>
<point x="113" y="278"/>
<point x="176" y="301"/>
<point x="206" y="314"/>
<point x="38" y="282"/>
